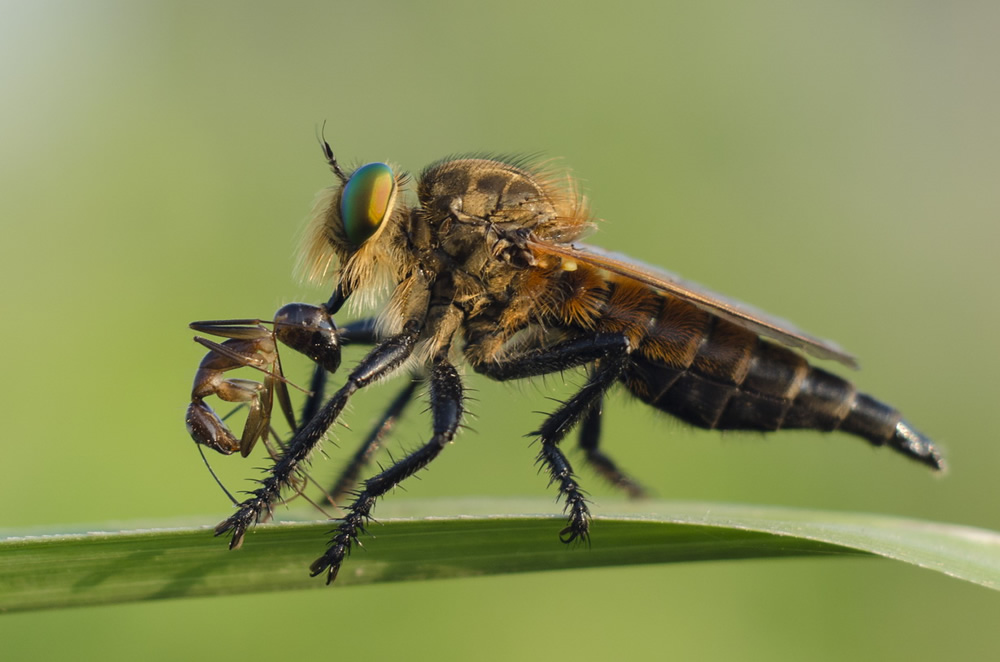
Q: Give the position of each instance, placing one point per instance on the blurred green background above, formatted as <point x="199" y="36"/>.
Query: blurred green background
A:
<point x="833" y="163"/>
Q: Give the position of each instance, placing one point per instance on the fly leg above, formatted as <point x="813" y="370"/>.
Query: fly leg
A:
<point x="557" y="425"/>
<point x="361" y="332"/>
<point x="446" y="411"/>
<point x="610" y="353"/>
<point x="590" y="436"/>
<point x="386" y="357"/>
<point x="349" y="475"/>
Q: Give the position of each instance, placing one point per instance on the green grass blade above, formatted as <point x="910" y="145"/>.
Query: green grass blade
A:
<point x="449" y="539"/>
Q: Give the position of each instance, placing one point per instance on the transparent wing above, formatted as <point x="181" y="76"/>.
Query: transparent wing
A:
<point x="730" y="310"/>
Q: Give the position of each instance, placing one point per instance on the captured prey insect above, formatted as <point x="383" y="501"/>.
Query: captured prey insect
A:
<point x="308" y="329"/>
<point x="483" y="266"/>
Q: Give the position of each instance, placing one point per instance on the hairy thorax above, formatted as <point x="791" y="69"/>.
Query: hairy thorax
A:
<point x="467" y="240"/>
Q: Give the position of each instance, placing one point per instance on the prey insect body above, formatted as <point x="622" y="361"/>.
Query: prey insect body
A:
<point x="485" y="266"/>
<point x="308" y="329"/>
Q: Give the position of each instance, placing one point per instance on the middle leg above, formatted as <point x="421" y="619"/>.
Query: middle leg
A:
<point x="360" y="332"/>
<point x="446" y="410"/>
<point x="362" y="457"/>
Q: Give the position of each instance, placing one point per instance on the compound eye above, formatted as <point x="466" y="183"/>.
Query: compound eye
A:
<point x="367" y="200"/>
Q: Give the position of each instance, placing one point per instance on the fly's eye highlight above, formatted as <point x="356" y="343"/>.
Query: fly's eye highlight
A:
<point x="368" y="199"/>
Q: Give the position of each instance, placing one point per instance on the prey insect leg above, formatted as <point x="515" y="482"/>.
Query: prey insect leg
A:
<point x="590" y="436"/>
<point x="610" y="352"/>
<point x="387" y="356"/>
<point x="446" y="411"/>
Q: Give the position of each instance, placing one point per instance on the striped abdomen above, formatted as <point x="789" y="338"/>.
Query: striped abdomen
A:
<point x="715" y="374"/>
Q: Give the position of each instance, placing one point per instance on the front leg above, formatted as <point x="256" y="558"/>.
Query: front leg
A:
<point x="446" y="410"/>
<point x="360" y="332"/>
<point x="382" y="360"/>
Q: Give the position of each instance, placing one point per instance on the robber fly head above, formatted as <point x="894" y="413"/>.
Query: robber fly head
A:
<point x="355" y="225"/>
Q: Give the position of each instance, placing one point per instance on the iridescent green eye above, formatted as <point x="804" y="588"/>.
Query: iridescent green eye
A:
<point x="367" y="200"/>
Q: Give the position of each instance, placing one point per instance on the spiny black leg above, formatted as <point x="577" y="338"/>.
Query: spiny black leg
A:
<point x="610" y="352"/>
<point x="590" y="436"/>
<point x="383" y="359"/>
<point x="557" y="425"/>
<point x="349" y="476"/>
<point x="446" y="410"/>
<point x="563" y="356"/>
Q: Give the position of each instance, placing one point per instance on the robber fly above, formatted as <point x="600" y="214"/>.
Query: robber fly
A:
<point x="486" y="266"/>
